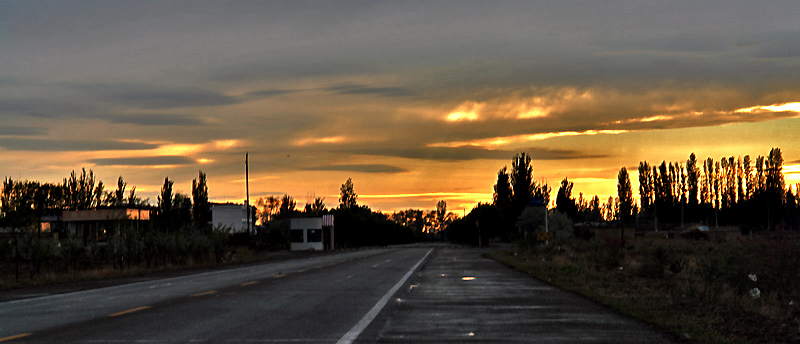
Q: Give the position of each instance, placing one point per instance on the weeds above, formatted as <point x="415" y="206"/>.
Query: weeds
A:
<point x="741" y="291"/>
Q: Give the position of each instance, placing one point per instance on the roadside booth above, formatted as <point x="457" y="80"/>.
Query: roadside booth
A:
<point x="312" y="233"/>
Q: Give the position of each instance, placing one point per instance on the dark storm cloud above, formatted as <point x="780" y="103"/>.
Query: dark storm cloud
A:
<point x="144" y="161"/>
<point x="27" y="144"/>
<point x="365" y="168"/>
<point x="472" y="153"/>
<point x="155" y="119"/>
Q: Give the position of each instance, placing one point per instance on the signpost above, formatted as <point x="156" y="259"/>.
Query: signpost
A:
<point x="546" y="236"/>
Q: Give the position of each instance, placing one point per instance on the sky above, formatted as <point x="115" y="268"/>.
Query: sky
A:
<point x="415" y="101"/>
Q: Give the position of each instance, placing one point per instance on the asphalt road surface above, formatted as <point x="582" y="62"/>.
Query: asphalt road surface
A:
<point x="404" y="295"/>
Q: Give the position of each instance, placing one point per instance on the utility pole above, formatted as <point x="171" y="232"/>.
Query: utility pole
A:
<point x="247" y="186"/>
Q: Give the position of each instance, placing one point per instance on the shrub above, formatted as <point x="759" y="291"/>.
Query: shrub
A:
<point x="656" y="261"/>
<point x="609" y="255"/>
<point x="219" y="241"/>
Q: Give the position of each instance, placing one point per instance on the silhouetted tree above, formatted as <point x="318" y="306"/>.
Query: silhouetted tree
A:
<point x="441" y="213"/>
<point x="166" y="213"/>
<point x="348" y="197"/>
<point x="134" y="200"/>
<point x="117" y="198"/>
<point x="595" y="210"/>
<point x="317" y="208"/>
<point x="625" y="194"/>
<point x="502" y="200"/>
<point x="182" y="210"/>
<point x="521" y="182"/>
<point x="645" y="185"/>
<point x="693" y="175"/>
<point x="750" y="185"/>
<point x="267" y="207"/>
<point x="79" y="192"/>
<point x="565" y="203"/>
<point x="201" y="209"/>
<point x="287" y="208"/>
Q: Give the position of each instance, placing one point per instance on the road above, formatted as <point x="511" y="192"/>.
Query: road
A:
<point x="407" y="295"/>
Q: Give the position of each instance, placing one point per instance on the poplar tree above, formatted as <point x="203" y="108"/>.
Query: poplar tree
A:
<point x="165" y="206"/>
<point x="625" y="195"/>
<point x="565" y="203"/>
<point x="692" y="174"/>
<point x="348" y="197"/>
<point x="521" y="182"/>
<point x="201" y="209"/>
<point x="645" y="185"/>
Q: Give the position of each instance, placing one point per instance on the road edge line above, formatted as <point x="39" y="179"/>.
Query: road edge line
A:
<point x="362" y="324"/>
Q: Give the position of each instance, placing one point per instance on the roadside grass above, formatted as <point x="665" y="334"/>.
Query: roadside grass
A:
<point x="238" y="255"/>
<point x="680" y="294"/>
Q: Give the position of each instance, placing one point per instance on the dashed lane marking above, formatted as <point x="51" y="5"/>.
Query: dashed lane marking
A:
<point x="248" y="283"/>
<point x="129" y="311"/>
<point x="205" y="293"/>
<point x="16" y="336"/>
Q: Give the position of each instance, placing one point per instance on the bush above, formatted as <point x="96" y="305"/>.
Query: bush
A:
<point x="607" y="256"/>
<point x="658" y="260"/>
<point x="219" y="241"/>
<point x="240" y="238"/>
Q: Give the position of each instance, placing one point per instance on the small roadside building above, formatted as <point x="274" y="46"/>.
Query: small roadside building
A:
<point x="95" y="225"/>
<point x="311" y="233"/>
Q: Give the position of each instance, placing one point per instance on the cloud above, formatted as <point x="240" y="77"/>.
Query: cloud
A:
<point x="144" y="161"/>
<point x="776" y="45"/>
<point x="268" y="93"/>
<point x="45" y="107"/>
<point x="20" y="131"/>
<point x="355" y="89"/>
<point x="46" y="145"/>
<point x="155" y="119"/>
<point x="282" y="69"/>
<point x="158" y="96"/>
<point x="365" y="168"/>
<point x="473" y="153"/>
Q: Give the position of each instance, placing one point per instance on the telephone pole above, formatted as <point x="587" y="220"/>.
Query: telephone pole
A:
<point x="247" y="186"/>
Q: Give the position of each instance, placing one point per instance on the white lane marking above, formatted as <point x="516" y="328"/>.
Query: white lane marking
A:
<point x="362" y="324"/>
<point x="379" y="264"/>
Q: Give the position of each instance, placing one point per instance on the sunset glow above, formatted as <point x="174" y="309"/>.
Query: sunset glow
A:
<point x="404" y="98"/>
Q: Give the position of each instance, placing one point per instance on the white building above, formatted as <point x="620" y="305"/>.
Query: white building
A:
<point x="231" y="215"/>
<point x="314" y="233"/>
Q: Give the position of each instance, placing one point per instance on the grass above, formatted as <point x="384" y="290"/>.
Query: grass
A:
<point x="240" y="255"/>
<point x="659" y="281"/>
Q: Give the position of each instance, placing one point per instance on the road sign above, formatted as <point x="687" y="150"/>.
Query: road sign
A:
<point x="544" y="236"/>
<point x="536" y="201"/>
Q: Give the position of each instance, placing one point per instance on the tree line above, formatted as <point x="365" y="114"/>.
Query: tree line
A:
<point x="179" y="232"/>
<point x="355" y="225"/>
<point x="24" y="203"/>
<point x="750" y="193"/>
<point x="728" y="191"/>
<point x="513" y="192"/>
